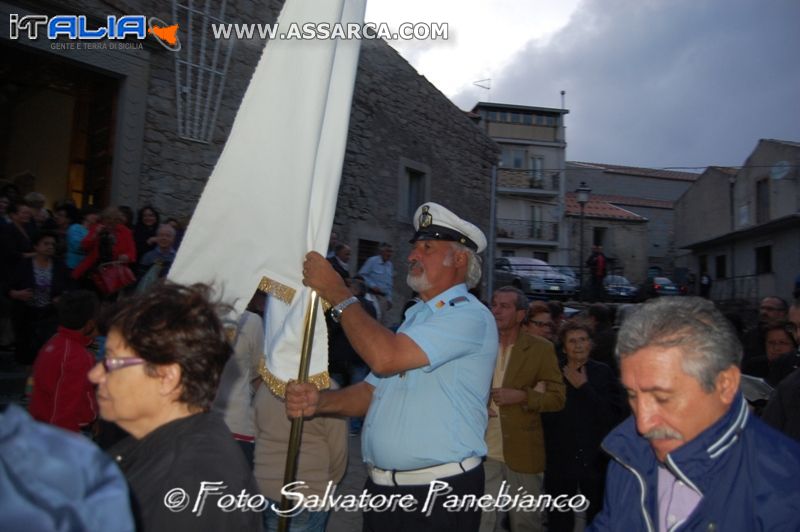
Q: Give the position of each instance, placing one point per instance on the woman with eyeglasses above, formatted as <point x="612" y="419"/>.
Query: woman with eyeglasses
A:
<point x="165" y="351"/>
<point x="539" y="322"/>
<point x="781" y="356"/>
<point x="595" y="403"/>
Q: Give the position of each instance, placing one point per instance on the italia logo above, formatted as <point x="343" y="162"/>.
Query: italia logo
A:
<point x="76" y="27"/>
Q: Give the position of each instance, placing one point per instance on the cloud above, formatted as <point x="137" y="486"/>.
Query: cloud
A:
<point x="664" y="82"/>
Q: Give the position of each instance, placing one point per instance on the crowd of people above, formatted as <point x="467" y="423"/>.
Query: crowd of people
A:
<point x="45" y="253"/>
<point x="632" y="417"/>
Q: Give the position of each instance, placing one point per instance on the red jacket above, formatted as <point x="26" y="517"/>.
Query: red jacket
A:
<point x="62" y="394"/>
<point x="123" y="245"/>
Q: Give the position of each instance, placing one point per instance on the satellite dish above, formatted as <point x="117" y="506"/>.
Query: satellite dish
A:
<point x="780" y="170"/>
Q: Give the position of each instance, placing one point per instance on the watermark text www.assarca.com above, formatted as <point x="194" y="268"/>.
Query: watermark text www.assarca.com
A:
<point x="332" y="30"/>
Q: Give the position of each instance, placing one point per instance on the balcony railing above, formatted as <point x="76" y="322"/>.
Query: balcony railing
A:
<point x="528" y="180"/>
<point x="527" y="230"/>
<point x="743" y="287"/>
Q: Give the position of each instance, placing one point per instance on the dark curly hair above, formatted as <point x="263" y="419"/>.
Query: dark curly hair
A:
<point x="176" y="324"/>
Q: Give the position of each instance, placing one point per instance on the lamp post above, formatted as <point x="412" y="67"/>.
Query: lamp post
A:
<point x="582" y="193"/>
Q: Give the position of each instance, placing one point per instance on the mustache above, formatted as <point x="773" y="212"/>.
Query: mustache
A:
<point x="662" y="433"/>
<point x="415" y="263"/>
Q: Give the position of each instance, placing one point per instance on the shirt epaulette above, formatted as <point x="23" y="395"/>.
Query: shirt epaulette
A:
<point x="457" y="300"/>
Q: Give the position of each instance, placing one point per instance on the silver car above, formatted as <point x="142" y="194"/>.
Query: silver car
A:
<point x="534" y="277"/>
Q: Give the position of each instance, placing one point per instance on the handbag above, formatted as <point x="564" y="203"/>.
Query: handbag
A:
<point x="111" y="277"/>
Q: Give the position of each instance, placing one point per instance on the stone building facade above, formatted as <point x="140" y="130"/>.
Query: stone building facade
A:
<point x="530" y="179"/>
<point x="748" y="237"/>
<point x="140" y="124"/>
<point x="646" y="192"/>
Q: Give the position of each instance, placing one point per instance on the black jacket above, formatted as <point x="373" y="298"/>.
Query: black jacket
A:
<point x="573" y="435"/>
<point x="180" y="456"/>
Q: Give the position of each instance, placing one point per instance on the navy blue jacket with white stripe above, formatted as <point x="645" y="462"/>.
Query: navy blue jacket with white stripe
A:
<point x="747" y="472"/>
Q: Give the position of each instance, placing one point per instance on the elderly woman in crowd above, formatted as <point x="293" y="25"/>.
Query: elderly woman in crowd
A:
<point x="780" y="358"/>
<point x="595" y="404"/>
<point x="164" y="355"/>
<point x="539" y="321"/>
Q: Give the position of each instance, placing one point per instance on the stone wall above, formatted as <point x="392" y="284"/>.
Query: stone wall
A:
<point x="398" y="120"/>
<point x="175" y="170"/>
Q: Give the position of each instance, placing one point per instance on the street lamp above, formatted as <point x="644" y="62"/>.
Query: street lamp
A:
<point x="582" y="194"/>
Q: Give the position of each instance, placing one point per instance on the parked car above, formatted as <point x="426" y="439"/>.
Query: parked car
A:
<point x="534" y="277"/>
<point x="618" y="288"/>
<point x="659" y="286"/>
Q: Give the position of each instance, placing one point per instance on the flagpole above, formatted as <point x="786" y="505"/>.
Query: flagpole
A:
<point x="297" y="423"/>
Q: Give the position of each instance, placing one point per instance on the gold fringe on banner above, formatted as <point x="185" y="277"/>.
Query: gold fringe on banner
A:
<point x="278" y="387"/>
<point x="277" y="290"/>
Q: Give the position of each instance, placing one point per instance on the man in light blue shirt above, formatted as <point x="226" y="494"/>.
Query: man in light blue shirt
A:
<point x="378" y="273"/>
<point x="426" y="397"/>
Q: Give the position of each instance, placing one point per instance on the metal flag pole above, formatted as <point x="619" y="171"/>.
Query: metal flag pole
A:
<point x="296" y="433"/>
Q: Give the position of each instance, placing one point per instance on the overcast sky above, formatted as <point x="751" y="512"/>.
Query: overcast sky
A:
<point x="659" y="83"/>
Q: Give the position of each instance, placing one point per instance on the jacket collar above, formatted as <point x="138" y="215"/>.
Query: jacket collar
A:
<point x="693" y="460"/>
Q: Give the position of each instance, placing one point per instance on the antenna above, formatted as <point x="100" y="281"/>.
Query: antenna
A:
<point x="563" y="94"/>
<point x="485" y="84"/>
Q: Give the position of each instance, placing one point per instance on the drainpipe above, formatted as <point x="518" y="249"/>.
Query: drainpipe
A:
<point x="490" y="251"/>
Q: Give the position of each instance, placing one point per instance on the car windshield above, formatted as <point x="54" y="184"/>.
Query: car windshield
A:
<point x="617" y="279"/>
<point x="534" y="268"/>
<point x="663" y="280"/>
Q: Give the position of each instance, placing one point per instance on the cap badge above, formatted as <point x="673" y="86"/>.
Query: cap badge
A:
<point x="425" y="218"/>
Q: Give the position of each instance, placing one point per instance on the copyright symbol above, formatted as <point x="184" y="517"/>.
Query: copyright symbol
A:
<point x="176" y="500"/>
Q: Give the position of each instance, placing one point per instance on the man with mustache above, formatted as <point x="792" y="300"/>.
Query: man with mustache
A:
<point x="692" y="456"/>
<point x="425" y="399"/>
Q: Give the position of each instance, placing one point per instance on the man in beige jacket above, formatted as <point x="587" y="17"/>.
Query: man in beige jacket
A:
<point x="526" y="382"/>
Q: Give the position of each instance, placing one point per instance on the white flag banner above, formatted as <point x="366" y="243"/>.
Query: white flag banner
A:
<point x="272" y="195"/>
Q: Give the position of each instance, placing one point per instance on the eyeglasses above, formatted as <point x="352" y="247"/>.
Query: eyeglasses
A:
<point x="541" y="323"/>
<point x="773" y="309"/>
<point x="113" y="364"/>
<point x="792" y="328"/>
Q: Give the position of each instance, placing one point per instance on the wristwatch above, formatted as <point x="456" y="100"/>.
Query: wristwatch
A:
<point x="336" y="312"/>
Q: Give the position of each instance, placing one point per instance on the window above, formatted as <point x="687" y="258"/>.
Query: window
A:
<point x="541" y="255"/>
<point x="764" y="259"/>
<point x="536" y="166"/>
<point x="720" y="267"/>
<point x="507" y="253"/>
<point x="527" y="119"/>
<point x="513" y="158"/>
<point x="416" y="190"/>
<point x="414" y="183"/>
<point x="762" y="201"/>
<point x="537" y="231"/>
<point x="598" y="236"/>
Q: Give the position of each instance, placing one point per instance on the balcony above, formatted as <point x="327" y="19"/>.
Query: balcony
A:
<point x="528" y="183"/>
<point x="526" y="232"/>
